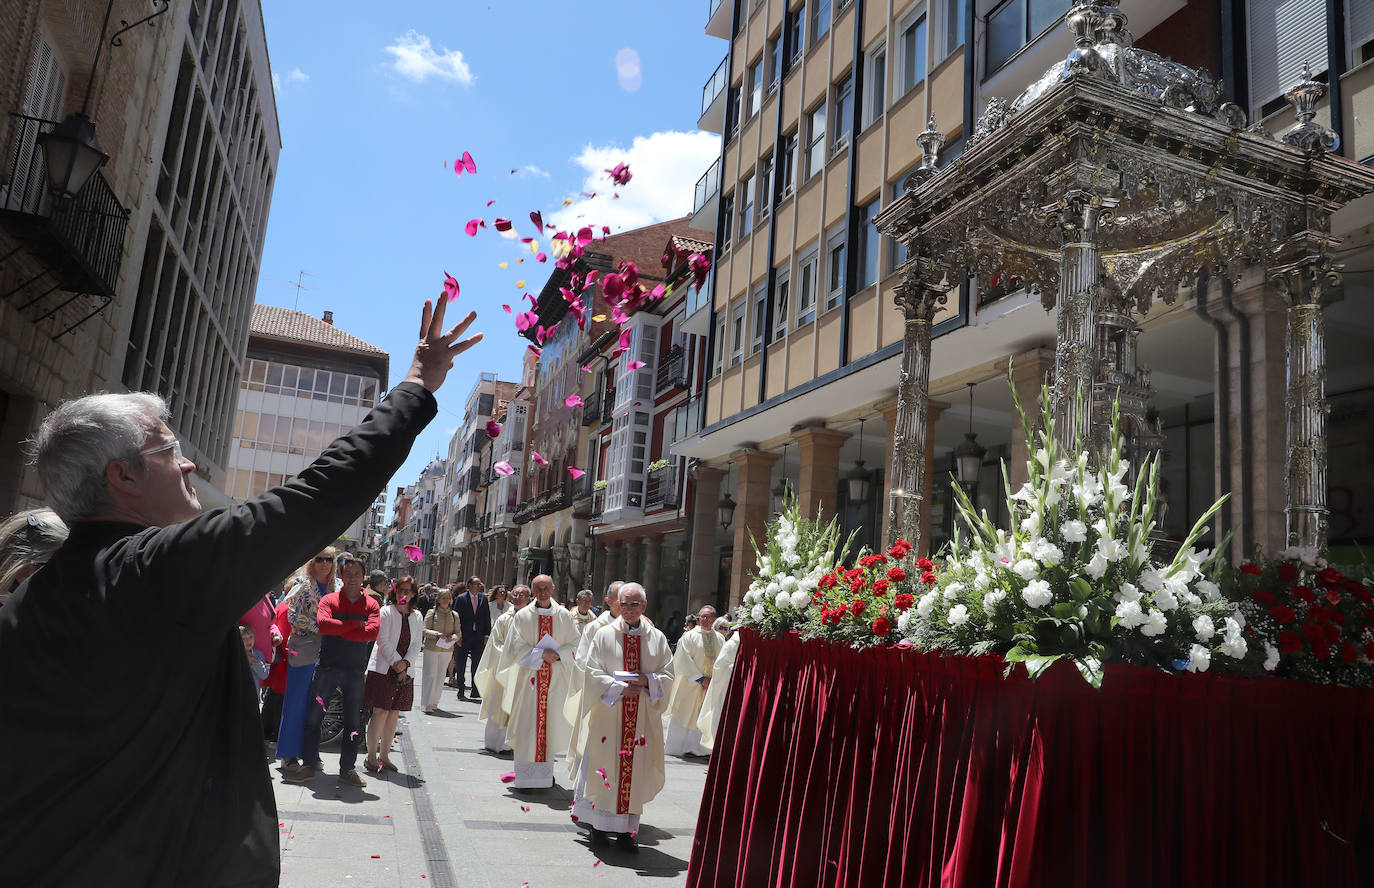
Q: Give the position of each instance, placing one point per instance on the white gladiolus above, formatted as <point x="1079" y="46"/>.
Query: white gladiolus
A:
<point x="1155" y="624"/>
<point x="1096" y="566"/>
<point x="1026" y="568"/>
<point x="783" y="601"/>
<point x="1037" y="593"/>
<point x="958" y="615"/>
<point x="993" y="600"/>
<point x="757" y="613"/>
<point x="1031" y="523"/>
<point x="1026" y="494"/>
<point x="1210" y="590"/>
<point x="1111" y="549"/>
<point x="800" y="599"/>
<point x="1199" y="658"/>
<point x="1059" y="473"/>
<point x="1043" y="457"/>
<point x="1075" y="531"/>
<point x="1127" y="592"/>
<point x="1131" y="615"/>
<point x="1203" y="628"/>
<point x="1271" y="657"/>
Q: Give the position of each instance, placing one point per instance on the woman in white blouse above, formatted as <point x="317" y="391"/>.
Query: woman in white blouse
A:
<point x="390" y="686"/>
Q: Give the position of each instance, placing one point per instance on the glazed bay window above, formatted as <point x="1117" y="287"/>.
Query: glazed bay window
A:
<point x="754" y="88"/>
<point x="820" y="19"/>
<point x="737" y="332"/>
<point x="834" y="267"/>
<point x="628" y="453"/>
<point x="807" y="281"/>
<point x="869" y="244"/>
<point x="746" y="206"/>
<point x="844" y="109"/>
<point x="782" y="288"/>
<point x="1015" y="23"/>
<point x="911" y="44"/>
<point x="815" y="141"/>
<point x="875" y="103"/>
<point x="787" y="163"/>
<point x="758" y="323"/>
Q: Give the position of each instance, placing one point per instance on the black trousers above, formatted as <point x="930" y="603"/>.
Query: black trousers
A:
<point x="271" y="713"/>
<point x="469" y="654"/>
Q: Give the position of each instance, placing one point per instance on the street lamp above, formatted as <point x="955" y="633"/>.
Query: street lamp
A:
<point x="968" y="456"/>
<point x="726" y="510"/>
<point x="779" y="492"/>
<point x="858" y="477"/>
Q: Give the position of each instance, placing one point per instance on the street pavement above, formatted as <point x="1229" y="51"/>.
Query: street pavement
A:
<point x="446" y="819"/>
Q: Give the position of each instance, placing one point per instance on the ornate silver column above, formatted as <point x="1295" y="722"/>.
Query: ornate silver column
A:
<point x="920" y="294"/>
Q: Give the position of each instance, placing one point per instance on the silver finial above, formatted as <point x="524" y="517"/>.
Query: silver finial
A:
<point x="1307" y="134"/>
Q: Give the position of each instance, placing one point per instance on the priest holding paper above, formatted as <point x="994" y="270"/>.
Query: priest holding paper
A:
<point x="577" y="710"/>
<point x="488" y="677"/>
<point x="535" y="677"/>
<point x="629" y="673"/>
<point x="693" y="665"/>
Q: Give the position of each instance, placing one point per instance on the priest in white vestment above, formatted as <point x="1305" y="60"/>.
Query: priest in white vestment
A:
<point x="488" y="679"/>
<point x="708" y="723"/>
<point x="693" y="665"/>
<point x="537" y="667"/>
<point x="629" y="674"/>
<point x="576" y="706"/>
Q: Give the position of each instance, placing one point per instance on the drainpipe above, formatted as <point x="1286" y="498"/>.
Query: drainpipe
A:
<point x="855" y="225"/>
<point x="1335" y="67"/>
<point x="1222" y="417"/>
<point x="711" y="343"/>
<point x="1246" y="469"/>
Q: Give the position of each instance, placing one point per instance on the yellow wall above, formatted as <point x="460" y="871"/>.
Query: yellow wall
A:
<point x="1357" y="101"/>
<point x="863" y="322"/>
<point x="828" y="353"/>
<point x="800" y="354"/>
<point x="777" y="377"/>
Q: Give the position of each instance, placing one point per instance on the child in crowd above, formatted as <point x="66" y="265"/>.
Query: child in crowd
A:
<point x="256" y="663"/>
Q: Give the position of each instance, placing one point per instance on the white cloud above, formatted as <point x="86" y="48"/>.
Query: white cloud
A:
<point x="415" y="59"/>
<point x="537" y="172"/>
<point x="627" y="70"/>
<point x="665" y="167"/>
<point x="295" y="75"/>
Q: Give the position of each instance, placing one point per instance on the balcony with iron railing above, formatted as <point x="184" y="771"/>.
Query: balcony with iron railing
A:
<point x="718" y="18"/>
<point x="78" y="241"/>
<point x="705" y="198"/>
<point x="661" y="488"/>
<point x="713" y="96"/>
<point x="672" y="371"/>
<point x="592" y="409"/>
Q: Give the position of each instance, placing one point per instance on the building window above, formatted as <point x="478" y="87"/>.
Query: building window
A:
<point x="746" y="205"/>
<point x="820" y="19"/>
<point x="737" y="333"/>
<point x="1285" y="35"/>
<point x="787" y="163"/>
<point x="775" y="63"/>
<point x="782" y="288"/>
<point x="844" y="109"/>
<point x="1359" y="19"/>
<point x="897" y="253"/>
<point x="876" y="78"/>
<point x="727" y="220"/>
<point x="806" y="288"/>
<point x="719" y="361"/>
<point x="759" y="323"/>
<point x="754" y="80"/>
<point x="794" y="30"/>
<point x="955" y="13"/>
<point x="869" y="244"/>
<point x="815" y="141"/>
<point x="732" y="109"/>
<point x="912" y="44"/>
<point x="1016" y="23"/>
<point x="765" y="187"/>
<point x="834" y="267"/>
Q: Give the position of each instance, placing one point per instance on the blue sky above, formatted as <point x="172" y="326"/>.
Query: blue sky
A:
<point x="374" y="98"/>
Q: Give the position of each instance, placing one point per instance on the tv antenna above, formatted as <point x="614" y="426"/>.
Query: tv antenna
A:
<point x="299" y="284"/>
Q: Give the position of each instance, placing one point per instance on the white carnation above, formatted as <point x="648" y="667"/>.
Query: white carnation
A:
<point x="980" y="580"/>
<point x="926" y="604"/>
<point x="1236" y="647"/>
<point x="1026" y="568"/>
<point x="1154" y="624"/>
<point x="757" y="613"/>
<point x="1037" y="593"/>
<point x="1199" y="658"/>
<point x="789" y="584"/>
<point x="1203" y="628"/>
<point x="1271" y="657"/>
<point x="904" y="621"/>
<point x="1075" y="531"/>
<point x="1131" y="615"/>
<point x="800" y="599"/>
<point x="1152" y="580"/>
<point x="1164" y="599"/>
<point x="783" y="601"/>
<point x="772" y="589"/>
<point x="1210" y="590"/>
<point x="1096" y="566"/>
<point x="1048" y="553"/>
<point x="993" y="600"/>
<point x="1127" y="592"/>
<point x="958" y="615"/>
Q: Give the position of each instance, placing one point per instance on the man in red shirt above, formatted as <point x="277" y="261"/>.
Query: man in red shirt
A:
<point x="349" y="621"/>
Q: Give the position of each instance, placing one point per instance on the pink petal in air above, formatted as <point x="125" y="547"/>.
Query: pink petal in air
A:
<point x="634" y="365"/>
<point x="503" y="468"/>
<point x="526" y="320"/>
<point x="506" y="309"/>
<point x="464" y="163"/>
<point x="493" y="428"/>
<point x="502" y="224"/>
<point x="450" y="287"/>
<point x="541" y="256"/>
<point x="414" y="553"/>
<point x="575" y="472"/>
<point x="538" y="219"/>
<point x="534" y="455"/>
<point x="573" y="400"/>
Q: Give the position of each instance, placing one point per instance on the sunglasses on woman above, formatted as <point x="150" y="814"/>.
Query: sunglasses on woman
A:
<point x="324" y="559"/>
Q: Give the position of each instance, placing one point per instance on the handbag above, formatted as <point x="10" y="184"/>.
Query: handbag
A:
<point x="304" y="649"/>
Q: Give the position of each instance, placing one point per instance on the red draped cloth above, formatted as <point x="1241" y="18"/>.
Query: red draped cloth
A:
<point x="888" y="766"/>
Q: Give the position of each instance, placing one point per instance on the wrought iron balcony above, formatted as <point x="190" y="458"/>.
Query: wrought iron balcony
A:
<point x="672" y="371"/>
<point x="79" y="242"/>
<point x="660" y="491"/>
<point x="591" y="411"/>
<point x="707" y="186"/>
<point x="598" y="502"/>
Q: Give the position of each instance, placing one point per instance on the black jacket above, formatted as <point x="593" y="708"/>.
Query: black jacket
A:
<point x="476" y="626"/>
<point x="140" y="761"/>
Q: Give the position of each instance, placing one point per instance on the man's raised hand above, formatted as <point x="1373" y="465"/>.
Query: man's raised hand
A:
<point x="436" y="350"/>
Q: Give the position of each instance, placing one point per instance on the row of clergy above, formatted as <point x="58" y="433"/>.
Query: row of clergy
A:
<point x="612" y="698"/>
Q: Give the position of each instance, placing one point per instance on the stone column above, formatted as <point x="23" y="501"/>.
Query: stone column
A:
<point x="616" y="561"/>
<point x="819" y="481"/>
<point x="600" y="557"/>
<point x="653" y="552"/>
<point x="634" y="560"/>
<point x="755" y="468"/>
<point x="1028" y="371"/>
<point x="704" y="569"/>
<point x="920" y="294"/>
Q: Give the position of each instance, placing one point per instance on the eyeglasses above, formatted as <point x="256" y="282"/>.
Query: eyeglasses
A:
<point x="625" y="604"/>
<point x="345" y="562"/>
<point x="324" y="559"/>
<point x="175" y="447"/>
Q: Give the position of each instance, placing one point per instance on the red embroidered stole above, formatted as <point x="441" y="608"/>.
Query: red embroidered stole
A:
<point x="542" y="678"/>
<point x="629" y="718"/>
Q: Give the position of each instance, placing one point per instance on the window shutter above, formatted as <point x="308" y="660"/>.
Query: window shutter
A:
<point x="1284" y="35"/>
<point x="1359" y="19"/>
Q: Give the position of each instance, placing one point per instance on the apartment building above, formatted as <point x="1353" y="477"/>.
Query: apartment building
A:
<point x="820" y="103"/>
<point x="458" y="527"/>
<point x="305" y="383"/>
<point x="495" y="550"/>
<point x="137" y="273"/>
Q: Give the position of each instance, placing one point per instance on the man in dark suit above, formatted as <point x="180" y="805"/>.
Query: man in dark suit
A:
<point x="474" y="618"/>
<point x="162" y="761"/>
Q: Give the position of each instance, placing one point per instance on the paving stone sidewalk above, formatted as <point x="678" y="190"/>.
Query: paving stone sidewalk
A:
<point x="446" y="819"/>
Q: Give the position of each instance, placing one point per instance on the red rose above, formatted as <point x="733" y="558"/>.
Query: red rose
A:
<point x="1329" y="576"/>
<point x="1251" y="569"/>
<point x="896" y="575"/>
<point x="925" y="564"/>
<point x="929" y="578"/>
<point x="1263" y="596"/>
<point x="1283" y="613"/>
<point x="1348" y="652"/>
<point x="1321" y="650"/>
<point x="1287" y="572"/>
<point x="1313" y="631"/>
<point x="1318" y="613"/>
<point x="881" y="627"/>
<point x="1333" y="595"/>
<point x="1304" y="593"/>
<point x="879" y="587"/>
<point x="1359" y="591"/>
<point x="1369" y="650"/>
<point x="1333" y="633"/>
<point x="1289" y="642"/>
<point x="906" y="600"/>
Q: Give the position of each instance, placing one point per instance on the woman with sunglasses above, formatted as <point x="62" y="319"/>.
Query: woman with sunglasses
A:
<point x="317" y="579"/>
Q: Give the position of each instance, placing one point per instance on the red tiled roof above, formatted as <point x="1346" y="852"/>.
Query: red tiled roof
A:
<point x="644" y="246"/>
<point x="286" y="323"/>
<point x="690" y="244"/>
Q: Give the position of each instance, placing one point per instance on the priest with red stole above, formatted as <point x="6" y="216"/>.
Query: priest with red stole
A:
<point x="537" y="666"/>
<point x="629" y="674"/>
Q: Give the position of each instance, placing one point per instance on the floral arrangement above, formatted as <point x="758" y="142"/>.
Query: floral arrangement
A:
<point x="798" y="554"/>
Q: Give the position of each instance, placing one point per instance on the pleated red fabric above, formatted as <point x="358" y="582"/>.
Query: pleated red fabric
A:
<point x="888" y="766"/>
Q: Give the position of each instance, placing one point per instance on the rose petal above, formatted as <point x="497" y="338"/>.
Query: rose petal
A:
<point x="634" y="365"/>
<point x="534" y="455"/>
<point x="502" y="224"/>
<point x="503" y="468"/>
<point x="471" y="227"/>
<point x="506" y="309"/>
<point x="508" y="777"/>
<point x="538" y="219"/>
<point x="575" y="472"/>
<point x="541" y="257"/>
<point x="414" y="553"/>
<point x="573" y="401"/>
<point x="493" y="428"/>
<point x="450" y="287"/>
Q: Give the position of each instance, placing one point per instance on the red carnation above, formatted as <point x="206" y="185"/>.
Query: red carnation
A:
<point x="929" y="578"/>
<point x="1329" y="576"/>
<point x="1263" y="596"/>
<point x="925" y="563"/>
<point x="817" y="599"/>
<point x="1289" y="642"/>
<point x="1369" y="650"/>
<point x="881" y="627"/>
<point x="857" y="586"/>
<point x="896" y="575"/>
<point x="1321" y="650"/>
<point x="906" y="600"/>
<point x="1360" y="592"/>
<point x="1333" y="595"/>
<point x="1283" y="613"/>
<point x="854" y="574"/>
<point x="1287" y="572"/>
<point x="904" y="544"/>
<point x="1348" y="652"/>
<point x="1333" y="633"/>
<point x="1304" y="593"/>
<point x="856" y="607"/>
<point x="1313" y="631"/>
<point x="1251" y="569"/>
<point x="1318" y="613"/>
<point x="828" y="581"/>
<point x="880" y="587"/>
